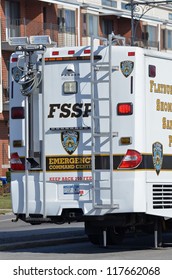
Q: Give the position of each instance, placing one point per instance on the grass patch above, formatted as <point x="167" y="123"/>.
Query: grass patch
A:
<point x="5" y="201"/>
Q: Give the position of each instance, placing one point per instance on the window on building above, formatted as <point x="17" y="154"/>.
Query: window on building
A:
<point x="124" y="6"/>
<point x="109" y="3"/>
<point x="44" y="16"/>
<point x="12" y="14"/>
<point x="170" y="16"/>
<point x="107" y="26"/>
<point x="166" y="39"/>
<point x="66" y="21"/>
<point x="169" y="39"/>
<point x="90" y="25"/>
<point x="149" y="35"/>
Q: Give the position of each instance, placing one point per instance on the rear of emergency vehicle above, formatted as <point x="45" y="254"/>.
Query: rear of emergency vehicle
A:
<point x="50" y="139"/>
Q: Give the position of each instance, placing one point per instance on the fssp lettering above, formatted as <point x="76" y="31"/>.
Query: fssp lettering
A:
<point x="67" y="110"/>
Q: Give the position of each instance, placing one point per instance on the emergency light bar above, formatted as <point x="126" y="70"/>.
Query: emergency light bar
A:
<point x="18" y="41"/>
<point x="40" y="40"/>
<point x="32" y="40"/>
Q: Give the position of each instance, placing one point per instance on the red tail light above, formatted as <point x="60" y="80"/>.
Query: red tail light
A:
<point x="87" y="51"/>
<point x="16" y="163"/>
<point x="131" y="53"/>
<point x="125" y="109"/>
<point x="55" y="53"/>
<point x="152" y="71"/>
<point x="71" y="52"/>
<point x="14" y="59"/>
<point x="132" y="159"/>
<point x="17" y="113"/>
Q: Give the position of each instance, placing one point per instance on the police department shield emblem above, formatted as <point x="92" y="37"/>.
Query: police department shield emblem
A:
<point x="17" y="73"/>
<point x="157" y="154"/>
<point x="70" y="140"/>
<point x="126" y="67"/>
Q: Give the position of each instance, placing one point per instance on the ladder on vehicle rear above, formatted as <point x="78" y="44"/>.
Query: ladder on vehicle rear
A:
<point x="101" y="127"/>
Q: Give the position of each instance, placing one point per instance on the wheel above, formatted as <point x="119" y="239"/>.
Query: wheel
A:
<point x="95" y="239"/>
<point x="114" y="236"/>
<point x="35" y="223"/>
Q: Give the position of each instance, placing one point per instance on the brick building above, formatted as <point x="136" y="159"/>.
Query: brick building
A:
<point x="69" y="23"/>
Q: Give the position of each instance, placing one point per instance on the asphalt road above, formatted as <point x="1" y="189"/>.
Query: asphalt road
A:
<point x="68" y="242"/>
<point x="22" y="235"/>
<point x="138" y="248"/>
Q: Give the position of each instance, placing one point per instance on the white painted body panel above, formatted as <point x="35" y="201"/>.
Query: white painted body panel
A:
<point x="132" y="189"/>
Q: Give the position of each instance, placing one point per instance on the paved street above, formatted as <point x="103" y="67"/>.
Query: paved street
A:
<point x="14" y="234"/>
<point x="133" y="248"/>
<point x="60" y="242"/>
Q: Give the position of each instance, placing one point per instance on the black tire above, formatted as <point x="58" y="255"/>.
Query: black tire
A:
<point x="95" y="239"/>
<point x="115" y="236"/>
<point x="35" y="223"/>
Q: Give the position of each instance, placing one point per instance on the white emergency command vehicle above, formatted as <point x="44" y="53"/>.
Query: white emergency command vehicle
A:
<point x="91" y="136"/>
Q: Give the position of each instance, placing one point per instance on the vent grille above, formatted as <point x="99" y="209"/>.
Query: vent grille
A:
<point x="162" y="196"/>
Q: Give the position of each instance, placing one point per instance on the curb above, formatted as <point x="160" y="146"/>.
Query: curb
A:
<point x="5" y="211"/>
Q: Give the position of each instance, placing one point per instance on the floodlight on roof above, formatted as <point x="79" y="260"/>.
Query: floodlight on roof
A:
<point x="40" y="40"/>
<point x="18" y="41"/>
